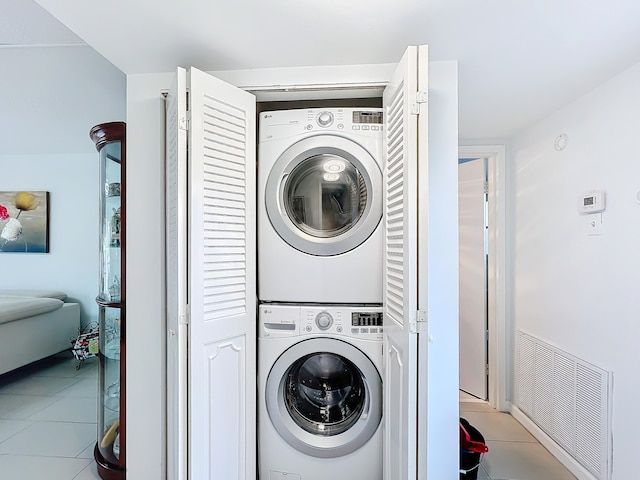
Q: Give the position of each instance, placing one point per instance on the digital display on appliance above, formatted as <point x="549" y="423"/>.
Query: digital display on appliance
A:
<point x="367" y="117"/>
<point x="371" y="319"/>
<point x="588" y="201"/>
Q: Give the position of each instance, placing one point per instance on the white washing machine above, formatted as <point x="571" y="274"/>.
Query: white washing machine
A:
<point x="319" y="392"/>
<point x="320" y="205"/>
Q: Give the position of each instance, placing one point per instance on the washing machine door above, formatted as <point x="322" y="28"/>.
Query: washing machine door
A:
<point x="324" y="195"/>
<point x="324" y="397"/>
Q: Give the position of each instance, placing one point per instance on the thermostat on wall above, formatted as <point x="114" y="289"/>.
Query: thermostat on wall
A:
<point x="592" y="202"/>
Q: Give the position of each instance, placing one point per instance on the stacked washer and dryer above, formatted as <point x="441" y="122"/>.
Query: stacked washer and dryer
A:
<point x="320" y="263"/>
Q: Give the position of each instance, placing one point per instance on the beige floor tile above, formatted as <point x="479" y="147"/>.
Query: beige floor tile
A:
<point x="475" y="407"/>
<point x="498" y="426"/>
<point x="88" y="452"/>
<point x="85" y="388"/>
<point x="465" y="397"/>
<point x="25" y="467"/>
<point x="482" y="474"/>
<point x="8" y="428"/>
<point x="89" y="473"/>
<point x="19" y="407"/>
<point x="33" y="385"/>
<point x="522" y="461"/>
<point x="58" y="367"/>
<point x="51" y="439"/>
<point x="68" y="409"/>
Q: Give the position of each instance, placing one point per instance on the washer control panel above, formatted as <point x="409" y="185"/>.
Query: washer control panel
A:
<point x="324" y="119"/>
<point x="324" y="320"/>
<point x="294" y="320"/>
<point x="352" y="322"/>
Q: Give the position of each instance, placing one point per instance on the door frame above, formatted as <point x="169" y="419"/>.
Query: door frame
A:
<point x="499" y="344"/>
<point x="291" y="84"/>
<point x="471" y="366"/>
<point x="266" y="85"/>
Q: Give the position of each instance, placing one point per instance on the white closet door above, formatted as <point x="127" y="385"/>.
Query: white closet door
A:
<point x="176" y="262"/>
<point x="222" y="280"/>
<point x="473" y="278"/>
<point x="406" y="129"/>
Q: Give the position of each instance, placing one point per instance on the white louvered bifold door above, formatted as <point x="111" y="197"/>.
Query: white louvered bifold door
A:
<point x="222" y="280"/>
<point x="400" y="283"/>
<point x="176" y="262"/>
<point x="421" y="271"/>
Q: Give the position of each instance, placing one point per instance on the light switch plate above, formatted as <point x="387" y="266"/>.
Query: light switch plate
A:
<point x="593" y="224"/>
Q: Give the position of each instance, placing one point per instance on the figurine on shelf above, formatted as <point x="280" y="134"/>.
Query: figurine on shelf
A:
<point x="114" y="289"/>
<point x="112" y="189"/>
<point x="115" y="228"/>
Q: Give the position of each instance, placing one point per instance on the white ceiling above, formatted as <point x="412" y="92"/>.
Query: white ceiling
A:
<point x="518" y="62"/>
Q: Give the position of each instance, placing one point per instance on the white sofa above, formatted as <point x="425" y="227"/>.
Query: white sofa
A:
<point x="34" y="324"/>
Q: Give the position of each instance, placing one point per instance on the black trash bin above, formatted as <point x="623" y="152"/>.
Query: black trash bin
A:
<point x="472" y="448"/>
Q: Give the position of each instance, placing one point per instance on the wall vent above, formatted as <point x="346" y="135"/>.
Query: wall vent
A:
<point x="569" y="399"/>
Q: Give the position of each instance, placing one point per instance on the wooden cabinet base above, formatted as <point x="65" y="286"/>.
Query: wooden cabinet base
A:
<point x="106" y="470"/>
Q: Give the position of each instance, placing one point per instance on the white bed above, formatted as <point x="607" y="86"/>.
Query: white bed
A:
<point x="34" y="324"/>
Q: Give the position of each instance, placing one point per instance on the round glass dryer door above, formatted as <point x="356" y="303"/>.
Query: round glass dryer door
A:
<point x="324" y="397"/>
<point x="324" y="195"/>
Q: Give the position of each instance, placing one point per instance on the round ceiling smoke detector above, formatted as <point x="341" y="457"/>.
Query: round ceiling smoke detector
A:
<point x="561" y="142"/>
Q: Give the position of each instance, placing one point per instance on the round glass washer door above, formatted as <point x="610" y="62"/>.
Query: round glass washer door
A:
<point x="324" y="397"/>
<point x="324" y="195"/>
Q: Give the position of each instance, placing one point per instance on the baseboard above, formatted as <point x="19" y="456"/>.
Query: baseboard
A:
<point x="556" y="450"/>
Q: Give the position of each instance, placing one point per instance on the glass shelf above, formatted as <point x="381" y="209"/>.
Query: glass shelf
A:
<point x="109" y="452"/>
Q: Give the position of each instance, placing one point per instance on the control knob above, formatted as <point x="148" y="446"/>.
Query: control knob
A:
<point x="324" y="320"/>
<point x="325" y="119"/>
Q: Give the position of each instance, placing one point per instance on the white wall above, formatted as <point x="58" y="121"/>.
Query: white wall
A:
<point x="51" y="97"/>
<point x="580" y="292"/>
<point x="146" y="386"/>
<point x="442" y="273"/>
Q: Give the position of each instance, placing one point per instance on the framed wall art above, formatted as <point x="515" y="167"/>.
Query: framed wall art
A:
<point x="24" y="222"/>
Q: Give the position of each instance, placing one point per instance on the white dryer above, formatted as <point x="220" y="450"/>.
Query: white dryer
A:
<point x="319" y="392"/>
<point x="320" y="206"/>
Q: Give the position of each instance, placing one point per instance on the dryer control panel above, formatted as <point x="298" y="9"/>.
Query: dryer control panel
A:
<point x="293" y="320"/>
<point x="277" y="124"/>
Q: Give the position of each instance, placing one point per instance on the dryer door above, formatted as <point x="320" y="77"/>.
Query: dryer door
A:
<point x="324" y="195"/>
<point x="324" y="397"/>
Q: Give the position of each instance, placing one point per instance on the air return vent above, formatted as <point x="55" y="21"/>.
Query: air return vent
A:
<point x="569" y="399"/>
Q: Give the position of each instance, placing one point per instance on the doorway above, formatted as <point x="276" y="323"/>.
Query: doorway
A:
<point x="473" y="224"/>
<point x="495" y="341"/>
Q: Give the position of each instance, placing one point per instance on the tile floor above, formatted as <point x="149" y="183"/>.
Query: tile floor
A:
<point x="514" y="454"/>
<point x="48" y="420"/>
<point x="48" y="428"/>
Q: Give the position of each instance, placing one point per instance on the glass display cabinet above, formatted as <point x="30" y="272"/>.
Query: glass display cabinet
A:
<point x="109" y="452"/>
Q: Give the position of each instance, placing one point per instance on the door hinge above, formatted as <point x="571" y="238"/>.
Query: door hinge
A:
<point x="420" y="97"/>
<point x="185" y="317"/>
<point x="419" y="322"/>
<point x="486" y="187"/>
<point x="183" y="124"/>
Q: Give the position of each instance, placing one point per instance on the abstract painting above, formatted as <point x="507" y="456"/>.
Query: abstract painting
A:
<point x="24" y="222"/>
